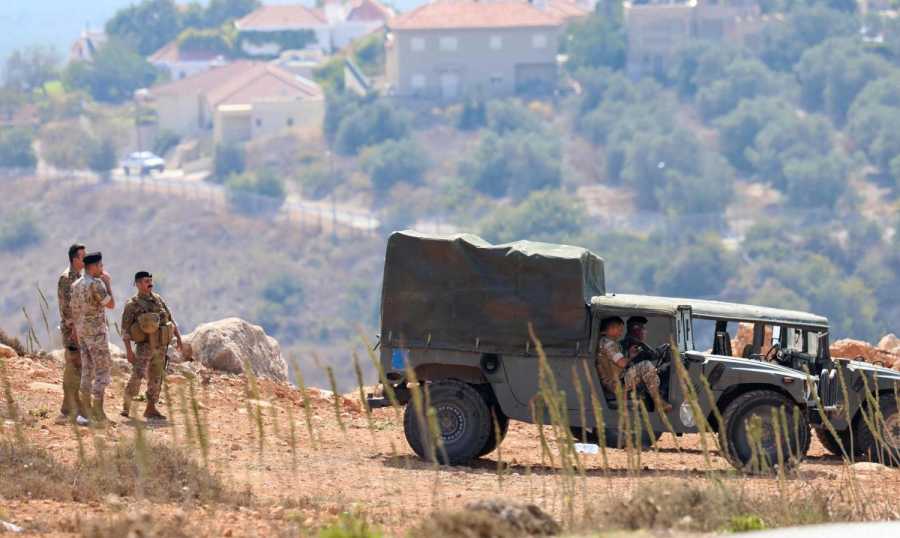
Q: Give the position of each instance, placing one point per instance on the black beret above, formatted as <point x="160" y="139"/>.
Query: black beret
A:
<point x="634" y="320"/>
<point x="142" y="274"/>
<point x="93" y="257"/>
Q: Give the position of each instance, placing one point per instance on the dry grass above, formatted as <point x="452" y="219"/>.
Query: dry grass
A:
<point x="143" y="525"/>
<point x="714" y="506"/>
<point x="156" y="472"/>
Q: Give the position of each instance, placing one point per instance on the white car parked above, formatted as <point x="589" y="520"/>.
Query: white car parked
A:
<point x="143" y="162"/>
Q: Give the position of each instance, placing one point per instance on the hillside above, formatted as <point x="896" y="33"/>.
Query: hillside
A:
<point x="275" y="480"/>
<point x="310" y="290"/>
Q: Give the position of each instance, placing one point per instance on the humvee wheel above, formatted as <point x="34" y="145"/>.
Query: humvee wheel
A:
<point x="463" y="418"/>
<point x="493" y="442"/>
<point x="830" y="442"/>
<point x="886" y="449"/>
<point x="751" y="436"/>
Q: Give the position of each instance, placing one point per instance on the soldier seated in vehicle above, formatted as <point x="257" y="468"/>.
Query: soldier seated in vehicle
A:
<point x="617" y="369"/>
<point x="634" y="338"/>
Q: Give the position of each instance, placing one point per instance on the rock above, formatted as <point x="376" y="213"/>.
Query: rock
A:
<point x="55" y="388"/>
<point x="849" y="348"/>
<point x="6" y="526"/>
<point x="869" y="467"/>
<point x="7" y="352"/>
<point x="229" y="343"/>
<point x="890" y="342"/>
<point x="525" y="518"/>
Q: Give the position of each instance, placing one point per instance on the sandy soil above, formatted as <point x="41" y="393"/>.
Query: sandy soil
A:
<point x="352" y="467"/>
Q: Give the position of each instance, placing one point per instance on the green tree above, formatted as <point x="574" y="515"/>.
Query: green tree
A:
<point x="101" y="157"/>
<point x="596" y="41"/>
<point x="513" y="165"/>
<point x="221" y="11"/>
<point x="113" y="75"/>
<point x="473" y="115"/>
<point x="742" y="79"/>
<point x="370" y="124"/>
<point x="783" y="43"/>
<point x="698" y="64"/>
<point x="16" y="148"/>
<point x="146" y="26"/>
<point x="816" y="182"/>
<point x="542" y="216"/>
<point x="19" y="231"/>
<point x="738" y="129"/>
<point x="393" y="161"/>
<point x="786" y="139"/>
<point x="250" y="193"/>
<point x="872" y="122"/>
<point x="832" y="73"/>
<point x="506" y="115"/>
<point x="701" y="269"/>
<point x="31" y="68"/>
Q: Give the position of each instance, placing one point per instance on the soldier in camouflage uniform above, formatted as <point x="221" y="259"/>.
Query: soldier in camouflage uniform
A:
<point x="91" y="296"/>
<point x="72" y="370"/>
<point x="615" y="369"/>
<point x="149" y="357"/>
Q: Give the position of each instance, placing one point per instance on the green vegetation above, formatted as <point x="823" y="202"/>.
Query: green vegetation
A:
<point x="256" y="192"/>
<point x="394" y="161"/>
<point x="114" y="74"/>
<point x="19" y="231"/>
<point x="15" y="148"/>
<point x="228" y="160"/>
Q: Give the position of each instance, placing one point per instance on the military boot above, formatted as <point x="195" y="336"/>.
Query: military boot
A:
<point x="662" y="406"/>
<point x="84" y="409"/>
<point x="98" y="415"/>
<point x="152" y="413"/>
<point x="126" y="406"/>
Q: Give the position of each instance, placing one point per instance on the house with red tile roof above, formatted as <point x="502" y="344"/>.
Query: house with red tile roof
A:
<point x="240" y="101"/>
<point x="272" y="29"/>
<point x="449" y="49"/>
<point x="181" y="62"/>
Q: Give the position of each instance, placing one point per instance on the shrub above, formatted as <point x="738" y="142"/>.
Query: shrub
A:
<point x="101" y="157"/>
<point x="350" y="526"/>
<point x="16" y="150"/>
<point x="65" y="145"/>
<point x="20" y="231"/>
<point x="394" y="161"/>
<point x="318" y="180"/>
<point x="473" y="115"/>
<point x="504" y="116"/>
<point x="515" y="165"/>
<point x="370" y="124"/>
<point x="256" y="193"/>
<point x="227" y="161"/>
<point x="543" y="216"/>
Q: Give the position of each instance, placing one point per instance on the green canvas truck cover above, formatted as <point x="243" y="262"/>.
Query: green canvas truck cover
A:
<point x="461" y="292"/>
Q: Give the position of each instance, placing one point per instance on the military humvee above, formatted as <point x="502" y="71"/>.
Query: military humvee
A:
<point x="456" y="311"/>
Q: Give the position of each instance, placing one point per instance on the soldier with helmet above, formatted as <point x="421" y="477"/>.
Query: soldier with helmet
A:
<point x="148" y="323"/>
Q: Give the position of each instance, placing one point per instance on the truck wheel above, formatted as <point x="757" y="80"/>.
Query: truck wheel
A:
<point x="493" y="442"/>
<point x="831" y="443"/>
<point x="758" y="405"/>
<point x="463" y="418"/>
<point x="582" y="435"/>
<point x="868" y="447"/>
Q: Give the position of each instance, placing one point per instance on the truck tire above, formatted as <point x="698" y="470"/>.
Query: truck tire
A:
<point x="493" y="441"/>
<point x="831" y="443"/>
<point x="760" y="403"/>
<point x="463" y="418"/>
<point x="867" y="447"/>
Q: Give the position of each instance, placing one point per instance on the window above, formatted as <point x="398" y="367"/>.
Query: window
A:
<point x="290" y="122"/>
<point x="417" y="44"/>
<point x="496" y="42"/>
<point x="258" y="122"/>
<point x="496" y="79"/>
<point x="539" y="41"/>
<point x="417" y="81"/>
<point x="449" y="43"/>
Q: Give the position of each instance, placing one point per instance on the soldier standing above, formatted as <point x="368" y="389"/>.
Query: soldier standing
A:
<point x="72" y="370"/>
<point x="615" y="368"/>
<point x="148" y="323"/>
<point x="91" y="295"/>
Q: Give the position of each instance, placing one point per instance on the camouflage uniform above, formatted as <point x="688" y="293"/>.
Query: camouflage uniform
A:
<point x="608" y="352"/>
<point x="72" y="370"/>
<point x="147" y="364"/>
<point x="89" y="300"/>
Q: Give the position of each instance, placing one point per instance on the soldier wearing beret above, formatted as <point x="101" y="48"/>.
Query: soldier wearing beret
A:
<point x="91" y="296"/>
<point x="618" y="369"/>
<point x="72" y="369"/>
<point x="635" y="332"/>
<point x="148" y="323"/>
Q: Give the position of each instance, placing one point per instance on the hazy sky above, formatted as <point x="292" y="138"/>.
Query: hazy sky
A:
<point x="58" y="22"/>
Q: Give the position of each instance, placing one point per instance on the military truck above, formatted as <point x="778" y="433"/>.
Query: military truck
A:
<point x="456" y="315"/>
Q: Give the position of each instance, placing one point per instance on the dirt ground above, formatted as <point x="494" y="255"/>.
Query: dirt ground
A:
<point x="350" y="467"/>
